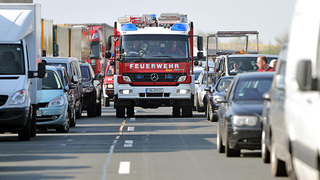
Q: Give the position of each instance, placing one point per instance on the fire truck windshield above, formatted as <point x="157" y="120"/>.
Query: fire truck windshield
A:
<point x="155" y="48"/>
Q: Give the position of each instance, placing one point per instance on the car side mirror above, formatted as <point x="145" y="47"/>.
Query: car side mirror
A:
<point x="72" y="86"/>
<point x="207" y="89"/>
<point x="196" y="82"/>
<point x="66" y="89"/>
<point x="266" y="96"/>
<point x="220" y="99"/>
<point x="97" y="77"/>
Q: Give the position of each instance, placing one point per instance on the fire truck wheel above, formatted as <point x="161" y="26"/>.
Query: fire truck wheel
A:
<point x="187" y="111"/>
<point x="176" y="111"/>
<point x="106" y="102"/>
<point x="120" y="111"/>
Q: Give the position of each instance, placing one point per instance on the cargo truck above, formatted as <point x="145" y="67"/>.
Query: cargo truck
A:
<point x="20" y="68"/>
<point x="153" y="63"/>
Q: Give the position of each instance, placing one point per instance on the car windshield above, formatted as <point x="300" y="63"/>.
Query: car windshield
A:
<point x="11" y="59"/>
<point x="252" y="89"/>
<point x="155" y="48"/>
<point x="223" y="84"/>
<point x="95" y="50"/>
<point x="85" y="73"/>
<point x="110" y="71"/>
<point x="243" y="64"/>
<point x="51" y="81"/>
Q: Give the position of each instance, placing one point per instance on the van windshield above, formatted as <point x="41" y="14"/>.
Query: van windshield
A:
<point x="11" y="59"/>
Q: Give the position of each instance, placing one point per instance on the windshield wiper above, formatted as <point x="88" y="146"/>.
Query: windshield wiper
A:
<point x="165" y="56"/>
<point x="141" y="58"/>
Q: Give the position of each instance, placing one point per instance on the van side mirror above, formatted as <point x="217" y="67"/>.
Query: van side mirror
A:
<point x="41" y="70"/>
<point x="200" y="43"/>
<point x="304" y="76"/>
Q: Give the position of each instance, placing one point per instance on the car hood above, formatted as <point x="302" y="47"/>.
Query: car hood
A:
<point x="48" y="95"/>
<point x="251" y="107"/>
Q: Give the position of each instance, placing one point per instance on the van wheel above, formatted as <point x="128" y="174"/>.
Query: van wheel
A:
<point x="106" y="102"/>
<point x="176" y="111"/>
<point x="33" y="121"/>
<point x="278" y="167"/>
<point x="25" y="133"/>
<point x="187" y="111"/>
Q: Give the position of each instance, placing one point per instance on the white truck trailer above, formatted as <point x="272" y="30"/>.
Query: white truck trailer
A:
<point x="20" y="68"/>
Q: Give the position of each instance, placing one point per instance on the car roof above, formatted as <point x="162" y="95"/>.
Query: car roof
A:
<point x="53" y="68"/>
<point x="59" y="59"/>
<point x="255" y="75"/>
<point x="252" y="55"/>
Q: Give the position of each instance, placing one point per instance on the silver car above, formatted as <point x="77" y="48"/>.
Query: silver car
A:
<point x="200" y="84"/>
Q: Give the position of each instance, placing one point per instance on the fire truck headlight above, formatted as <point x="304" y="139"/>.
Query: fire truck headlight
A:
<point x="110" y="86"/>
<point x="126" y="78"/>
<point x="183" y="91"/>
<point x="125" y="91"/>
<point x="182" y="78"/>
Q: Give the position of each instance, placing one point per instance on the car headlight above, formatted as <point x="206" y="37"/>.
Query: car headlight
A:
<point x="110" y="86"/>
<point x="182" y="78"/>
<point x="88" y="89"/>
<point x="18" y="97"/>
<point x="58" y="101"/>
<point x="126" y="78"/>
<point x="183" y="91"/>
<point x="125" y="91"/>
<point x="244" y="120"/>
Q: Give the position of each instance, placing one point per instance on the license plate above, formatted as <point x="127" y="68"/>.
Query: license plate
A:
<point x="39" y="113"/>
<point x="154" y="90"/>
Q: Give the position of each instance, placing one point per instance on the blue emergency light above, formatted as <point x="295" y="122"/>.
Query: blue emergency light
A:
<point x="128" y="27"/>
<point x="179" y="27"/>
<point x="169" y="76"/>
<point x="139" y="77"/>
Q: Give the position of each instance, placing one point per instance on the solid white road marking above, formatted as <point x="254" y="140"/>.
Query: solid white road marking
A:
<point x="124" y="167"/>
<point x="130" y="129"/>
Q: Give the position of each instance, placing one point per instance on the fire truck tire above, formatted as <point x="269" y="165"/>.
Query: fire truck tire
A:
<point x="130" y="111"/>
<point x="120" y="111"/>
<point x="106" y="102"/>
<point x="176" y="111"/>
<point x="187" y="111"/>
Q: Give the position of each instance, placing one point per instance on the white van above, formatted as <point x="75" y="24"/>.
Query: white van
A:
<point x="302" y="104"/>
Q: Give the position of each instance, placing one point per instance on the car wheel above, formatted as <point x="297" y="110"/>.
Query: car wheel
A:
<point x="176" y="111"/>
<point x="130" y="111"/>
<point x="278" y="167"/>
<point x="187" y="111"/>
<point x="64" y="128"/>
<point x="265" y="154"/>
<point x="73" y="120"/>
<point x="91" y="109"/>
<point x="211" y="117"/>
<point x="78" y="114"/>
<point x="98" y="108"/>
<point x="106" y="102"/>
<point x="231" y="152"/>
<point x="208" y="112"/>
<point x="120" y="111"/>
<point x="220" y="146"/>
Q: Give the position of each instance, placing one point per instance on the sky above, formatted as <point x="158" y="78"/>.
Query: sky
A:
<point x="271" y="18"/>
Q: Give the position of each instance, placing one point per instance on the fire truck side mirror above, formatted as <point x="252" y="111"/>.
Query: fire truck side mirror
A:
<point x="108" y="46"/>
<point x="111" y="63"/>
<point x="200" y="55"/>
<point x="200" y="43"/>
<point x="108" y="54"/>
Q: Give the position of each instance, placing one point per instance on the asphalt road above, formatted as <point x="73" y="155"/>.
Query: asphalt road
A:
<point x="152" y="146"/>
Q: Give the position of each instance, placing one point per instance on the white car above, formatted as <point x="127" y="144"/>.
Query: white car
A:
<point x="200" y="84"/>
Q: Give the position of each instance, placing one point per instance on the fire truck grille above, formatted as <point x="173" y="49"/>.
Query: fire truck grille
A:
<point x="3" y="99"/>
<point x="154" y="77"/>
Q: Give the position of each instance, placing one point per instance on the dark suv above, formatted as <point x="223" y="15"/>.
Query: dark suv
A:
<point x="73" y="69"/>
<point x="91" y="90"/>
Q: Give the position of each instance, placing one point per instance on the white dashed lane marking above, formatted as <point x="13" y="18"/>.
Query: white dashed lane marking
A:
<point x="130" y="129"/>
<point x="128" y="143"/>
<point x="124" y="167"/>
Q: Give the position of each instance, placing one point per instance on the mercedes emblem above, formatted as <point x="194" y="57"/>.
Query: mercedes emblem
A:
<point x="154" y="77"/>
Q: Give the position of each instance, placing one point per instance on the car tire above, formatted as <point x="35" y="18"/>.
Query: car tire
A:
<point x="98" y="111"/>
<point x="231" y="152"/>
<point x="265" y="153"/>
<point x="175" y="111"/>
<point x="211" y="117"/>
<point x="130" y="111"/>
<point x="187" y="111"/>
<point x="208" y="112"/>
<point x="106" y="102"/>
<point x="220" y="146"/>
<point x="92" y="109"/>
<point x="73" y="121"/>
<point x="120" y="112"/>
<point x="278" y="167"/>
<point x="78" y="114"/>
<point x="64" y="128"/>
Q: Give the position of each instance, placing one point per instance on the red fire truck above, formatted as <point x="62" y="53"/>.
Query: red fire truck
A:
<point x="153" y="63"/>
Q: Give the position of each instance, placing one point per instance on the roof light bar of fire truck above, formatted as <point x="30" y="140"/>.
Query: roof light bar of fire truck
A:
<point x="128" y="27"/>
<point x="179" y="27"/>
